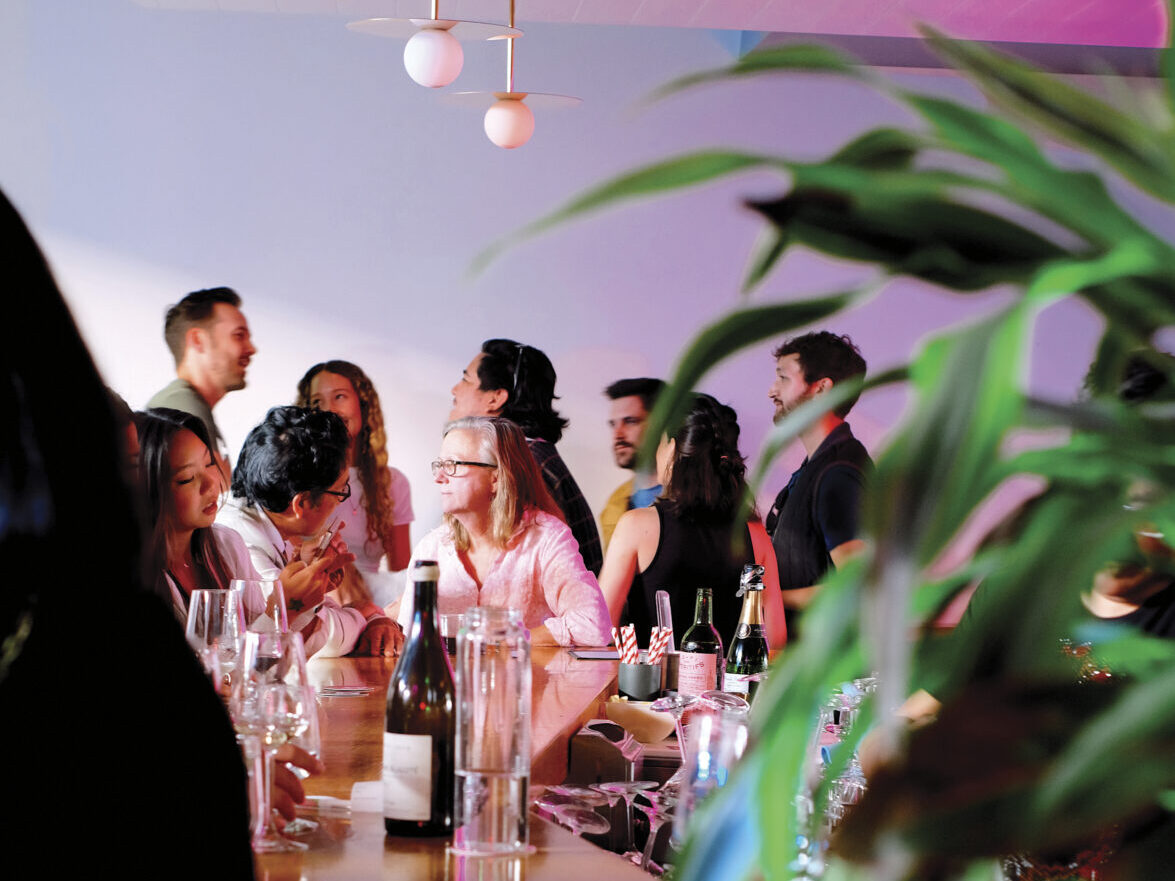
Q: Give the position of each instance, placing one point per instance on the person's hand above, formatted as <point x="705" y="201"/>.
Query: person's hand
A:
<point x="287" y="792"/>
<point x="306" y="585"/>
<point x="381" y="636"/>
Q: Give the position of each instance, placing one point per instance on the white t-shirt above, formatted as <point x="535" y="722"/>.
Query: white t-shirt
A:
<point x="370" y="559"/>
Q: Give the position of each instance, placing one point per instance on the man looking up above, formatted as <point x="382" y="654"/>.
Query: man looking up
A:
<point x="209" y="339"/>
<point x="517" y="382"/>
<point x="291" y="476"/>
<point x="814" y="521"/>
<point x="632" y="401"/>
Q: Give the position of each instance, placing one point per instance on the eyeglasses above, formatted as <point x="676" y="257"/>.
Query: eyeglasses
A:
<point x="449" y="466"/>
<point x="341" y="495"/>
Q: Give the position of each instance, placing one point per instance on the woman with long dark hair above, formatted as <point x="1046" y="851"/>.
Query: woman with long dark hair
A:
<point x="689" y="538"/>
<point x="377" y="518"/>
<point x="181" y="482"/>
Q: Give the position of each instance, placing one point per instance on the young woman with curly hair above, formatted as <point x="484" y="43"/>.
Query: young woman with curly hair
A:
<point x="377" y="517"/>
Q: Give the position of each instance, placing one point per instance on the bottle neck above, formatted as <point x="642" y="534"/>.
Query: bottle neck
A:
<point x="703" y="607"/>
<point x="752" y="613"/>
<point x="424" y="604"/>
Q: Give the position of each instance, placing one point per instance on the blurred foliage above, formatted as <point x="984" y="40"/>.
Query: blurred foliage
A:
<point x="1022" y="758"/>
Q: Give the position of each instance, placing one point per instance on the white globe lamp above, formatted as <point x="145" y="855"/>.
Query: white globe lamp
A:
<point x="433" y="57"/>
<point x="509" y="123"/>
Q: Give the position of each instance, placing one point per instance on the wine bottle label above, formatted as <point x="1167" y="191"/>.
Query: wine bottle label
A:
<point x="737" y="683"/>
<point x="696" y="672"/>
<point x="744" y="630"/>
<point x="407" y="776"/>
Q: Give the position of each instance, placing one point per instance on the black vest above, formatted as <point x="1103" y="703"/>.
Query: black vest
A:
<point x="795" y="532"/>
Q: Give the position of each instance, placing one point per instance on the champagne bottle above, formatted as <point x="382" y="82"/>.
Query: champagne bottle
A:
<point x="748" y="654"/>
<point x="419" y="731"/>
<point x="700" y="662"/>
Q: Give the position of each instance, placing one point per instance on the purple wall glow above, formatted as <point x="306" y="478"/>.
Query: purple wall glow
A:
<point x="154" y="152"/>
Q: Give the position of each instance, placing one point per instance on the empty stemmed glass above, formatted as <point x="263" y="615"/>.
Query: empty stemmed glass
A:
<point x="628" y="790"/>
<point x="215" y="624"/>
<point x="717" y="740"/>
<point x="659" y="808"/>
<point x="310" y="739"/>
<point x="269" y="705"/>
<point x="263" y="603"/>
<point x="675" y="703"/>
<point x="581" y="820"/>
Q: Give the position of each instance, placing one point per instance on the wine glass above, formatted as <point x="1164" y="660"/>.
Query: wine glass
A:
<point x="628" y="790"/>
<point x="581" y="820"/>
<point x="268" y="706"/>
<point x="717" y="741"/>
<point x="215" y="624"/>
<point x="310" y="739"/>
<point x="264" y="604"/>
<point x="675" y="703"/>
<point x="658" y="808"/>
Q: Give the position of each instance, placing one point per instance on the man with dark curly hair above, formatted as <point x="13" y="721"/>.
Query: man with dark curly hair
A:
<point x="814" y="521"/>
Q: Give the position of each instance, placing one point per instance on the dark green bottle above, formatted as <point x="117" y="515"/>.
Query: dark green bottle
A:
<point x="748" y="654"/>
<point x="419" y="729"/>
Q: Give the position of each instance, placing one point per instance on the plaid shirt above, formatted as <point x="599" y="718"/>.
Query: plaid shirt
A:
<point x="571" y="501"/>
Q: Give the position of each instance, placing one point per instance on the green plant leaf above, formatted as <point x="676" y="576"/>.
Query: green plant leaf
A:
<point x="926" y="235"/>
<point x="881" y="149"/>
<point x="737" y="330"/>
<point x="941" y="464"/>
<point x="1139" y="153"/>
<point x="672" y="174"/>
<point x="769" y="247"/>
<point x="798" y="58"/>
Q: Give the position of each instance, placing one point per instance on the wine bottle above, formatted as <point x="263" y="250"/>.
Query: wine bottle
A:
<point x="419" y="731"/>
<point x="700" y="663"/>
<point x="748" y="655"/>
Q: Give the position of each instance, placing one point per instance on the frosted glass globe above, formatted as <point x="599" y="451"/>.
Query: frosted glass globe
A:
<point x="509" y="123"/>
<point x="433" y="57"/>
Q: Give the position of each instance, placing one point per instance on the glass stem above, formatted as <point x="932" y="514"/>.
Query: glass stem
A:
<point x="263" y="819"/>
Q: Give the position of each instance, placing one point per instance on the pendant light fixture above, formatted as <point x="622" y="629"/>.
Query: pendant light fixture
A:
<point x="509" y="121"/>
<point x="433" y="55"/>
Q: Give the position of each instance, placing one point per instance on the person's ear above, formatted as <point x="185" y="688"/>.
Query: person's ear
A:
<point x="195" y="339"/>
<point x="301" y="504"/>
<point x="497" y="400"/>
<point x="822" y="385"/>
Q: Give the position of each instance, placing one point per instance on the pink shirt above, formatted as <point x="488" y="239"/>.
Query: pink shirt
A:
<point x="540" y="573"/>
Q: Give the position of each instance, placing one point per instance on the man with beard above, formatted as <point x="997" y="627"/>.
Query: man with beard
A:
<point x="209" y="339"/>
<point x="632" y="401"/>
<point x="814" y="521"/>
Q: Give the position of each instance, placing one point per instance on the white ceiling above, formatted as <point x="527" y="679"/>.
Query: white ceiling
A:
<point x="1138" y="23"/>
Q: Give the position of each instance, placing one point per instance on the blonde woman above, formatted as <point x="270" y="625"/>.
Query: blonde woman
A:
<point x="503" y="541"/>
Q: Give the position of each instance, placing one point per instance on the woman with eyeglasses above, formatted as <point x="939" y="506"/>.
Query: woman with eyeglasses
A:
<point x="378" y="514"/>
<point x="503" y="541"/>
<point x="181" y="484"/>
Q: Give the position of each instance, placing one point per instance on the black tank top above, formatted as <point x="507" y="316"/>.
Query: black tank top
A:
<point x="690" y="555"/>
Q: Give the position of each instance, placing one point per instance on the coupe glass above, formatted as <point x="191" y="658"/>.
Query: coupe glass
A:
<point x="675" y="703"/>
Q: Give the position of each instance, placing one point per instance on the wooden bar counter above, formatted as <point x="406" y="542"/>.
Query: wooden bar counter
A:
<point x="566" y="693"/>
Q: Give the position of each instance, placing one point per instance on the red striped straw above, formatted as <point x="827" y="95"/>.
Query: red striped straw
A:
<point x="616" y="638"/>
<point x="658" y="642"/>
<point x="630" y="654"/>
